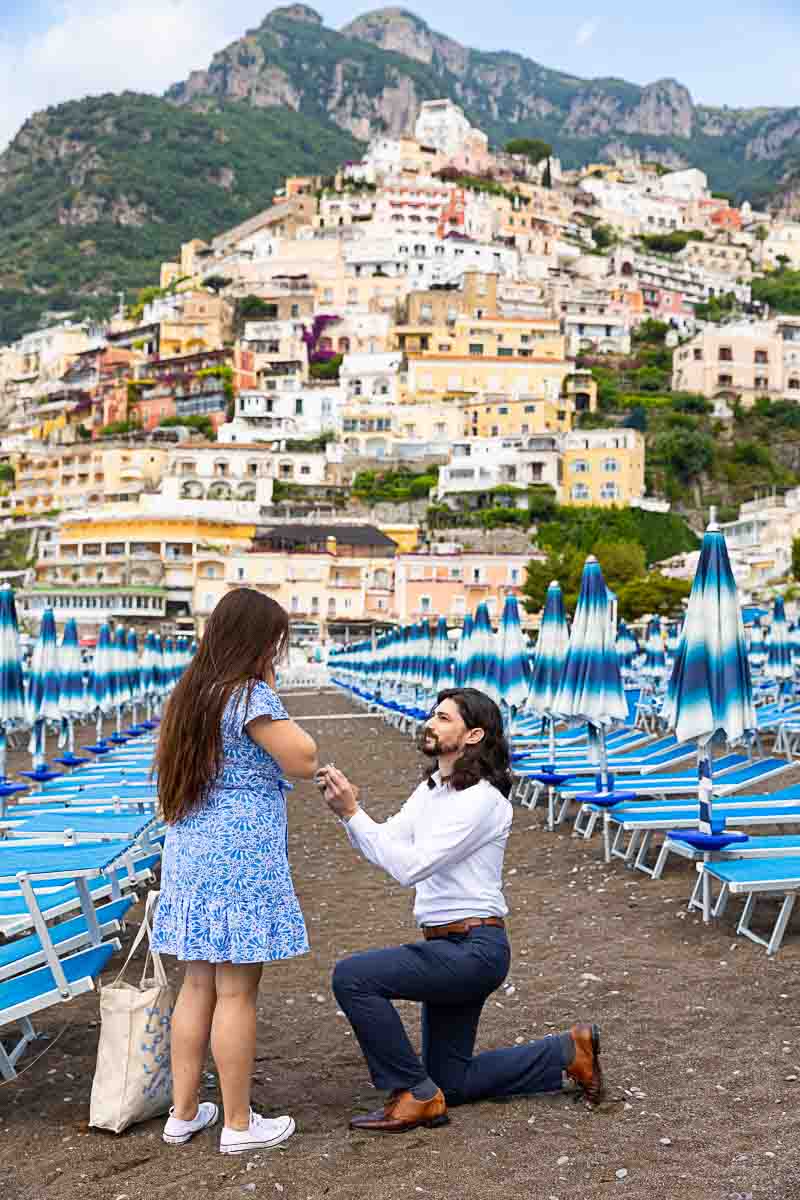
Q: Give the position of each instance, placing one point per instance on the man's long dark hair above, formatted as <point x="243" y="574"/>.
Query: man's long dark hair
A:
<point x="489" y="758"/>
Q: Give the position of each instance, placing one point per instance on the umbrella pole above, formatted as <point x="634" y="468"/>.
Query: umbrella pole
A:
<point x="99" y="726"/>
<point x="705" y="788"/>
<point x="552" y="742"/>
<point x="3" y="749"/>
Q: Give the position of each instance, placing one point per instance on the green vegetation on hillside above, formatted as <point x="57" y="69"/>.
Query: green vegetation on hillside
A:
<point x="780" y="290"/>
<point x="168" y="173"/>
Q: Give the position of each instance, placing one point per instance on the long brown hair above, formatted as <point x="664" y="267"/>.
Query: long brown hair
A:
<point x="488" y="759"/>
<point x="246" y="634"/>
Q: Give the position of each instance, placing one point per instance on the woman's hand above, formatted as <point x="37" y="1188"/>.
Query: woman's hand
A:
<point x="340" y="795"/>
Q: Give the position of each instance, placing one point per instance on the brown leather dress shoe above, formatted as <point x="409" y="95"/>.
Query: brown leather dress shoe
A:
<point x="585" y="1069"/>
<point x="403" y="1111"/>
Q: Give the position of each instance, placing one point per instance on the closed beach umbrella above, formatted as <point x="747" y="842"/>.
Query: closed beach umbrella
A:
<point x="513" y="675"/>
<point x="481" y="668"/>
<point x="463" y="652"/>
<point x="42" y="702"/>
<point x="101" y="680"/>
<point x="710" y="690"/>
<point x="441" y="676"/>
<point x="12" y="692"/>
<point x="591" y="685"/>
<point x="134" y="669"/>
<point x="758" y="649"/>
<point x="627" y="647"/>
<point x="422" y="655"/>
<point x="548" y="661"/>
<point x="673" y="638"/>
<point x="655" y="660"/>
<point x="779" y="649"/>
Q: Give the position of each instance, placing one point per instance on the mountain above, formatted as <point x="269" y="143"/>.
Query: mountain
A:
<point x="96" y="192"/>
<point x="371" y="77"/>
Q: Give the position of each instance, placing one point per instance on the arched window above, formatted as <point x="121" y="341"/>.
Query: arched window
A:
<point x="609" y="491"/>
<point x="610" y="464"/>
<point x="580" y="467"/>
<point x="579" y="491"/>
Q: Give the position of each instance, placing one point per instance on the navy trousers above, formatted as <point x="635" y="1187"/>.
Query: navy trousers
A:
<point x="452" y="978"/>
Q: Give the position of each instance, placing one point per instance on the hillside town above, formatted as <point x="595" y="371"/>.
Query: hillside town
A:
<point x="438" y="313"/>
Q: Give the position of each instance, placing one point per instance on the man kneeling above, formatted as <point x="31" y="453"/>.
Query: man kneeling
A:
<point x="447" y="841"/>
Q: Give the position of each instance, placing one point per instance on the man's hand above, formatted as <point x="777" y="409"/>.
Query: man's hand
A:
<point x="340" y="795"/>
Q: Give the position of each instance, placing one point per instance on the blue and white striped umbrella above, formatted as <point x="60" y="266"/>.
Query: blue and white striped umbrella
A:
<point x="134" y="668"/>
<point x="779" y="653"/>
<point x="794" y="630"/>
<point x="122" y="690"/>
<point x="12" y="692"/>
<point x="422" y="654"/>
<point x="627" y="646"/>
<point x="551" y="653"/>
<point x="441" y="662"/>
<point x="758" y="647"/>
<point x="591" y="684"/>
<point x="44" y="686"/>
<point x="45" y="678"/>
<point x="481" y="668"/>
<point x="71" y="696"/>
<point x="101" y="681"/>
<point x="463" y="651"/>
<point x="710" y="690"/>
<point x="167" y="665"/>
<point x="513" y="675"/>
<point x="655" y="660"/>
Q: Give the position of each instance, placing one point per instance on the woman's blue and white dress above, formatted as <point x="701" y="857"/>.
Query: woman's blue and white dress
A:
<point x="226" y="888"/>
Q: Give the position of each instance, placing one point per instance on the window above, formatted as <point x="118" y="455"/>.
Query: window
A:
<point x="698" y="355"/>
<point x="513" y="575"/>
<point x="327" y="294"/>
<point x="761" y="381"/>
<point x="725" y="380"/>
<point x="725" y="354"/>
<point x="425" y="604"/>
<point x="794" y="385"/>
<point x="610" y="464"/>
<point x="305" y="469"/>
<point x="294" y="311"/>
<point x="530" y="408"/>
<point x="761" y="357"/>
<point x="609" y="491"/>
<point x="295" y="605"/>
<point x="240" y="572"/>
<point x="458" y="605"/>
<point x="580" y="467"/>
<point x="209" y="600"/>
<point x="579" y="491"/>
<point x="476" y="348"/>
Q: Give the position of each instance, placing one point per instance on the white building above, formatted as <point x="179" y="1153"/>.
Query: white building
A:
<point x="299" y="412"/>
<point x="371" y="377"/>
<point x="479" y="464"/>
<point x="426" y="260"/>
<point x="443" y="126"/>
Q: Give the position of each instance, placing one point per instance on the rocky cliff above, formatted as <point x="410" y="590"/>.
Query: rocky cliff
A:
<point x="371" y="76"/>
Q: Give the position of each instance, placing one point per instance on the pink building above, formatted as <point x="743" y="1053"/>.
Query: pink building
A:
<point x="452" y="584"/>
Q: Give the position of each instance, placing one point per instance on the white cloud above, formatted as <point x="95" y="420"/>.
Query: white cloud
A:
<point x="93" y="47"/>
<point x="586" y="31"/>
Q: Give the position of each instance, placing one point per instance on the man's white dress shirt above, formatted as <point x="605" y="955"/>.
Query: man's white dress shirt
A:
<point x="449" y="845"/>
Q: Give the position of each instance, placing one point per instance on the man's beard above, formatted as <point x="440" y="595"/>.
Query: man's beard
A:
<point x="429" y="744"/>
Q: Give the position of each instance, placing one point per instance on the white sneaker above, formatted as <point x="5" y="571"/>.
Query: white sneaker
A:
<point x="262" y="1134"/>
<point x="177" y="1132"/>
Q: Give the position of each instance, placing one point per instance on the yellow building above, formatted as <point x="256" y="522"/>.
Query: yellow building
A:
<point x="603" y="467"/>
<point x="203" y="322"/>
<point x="70" y="477"/>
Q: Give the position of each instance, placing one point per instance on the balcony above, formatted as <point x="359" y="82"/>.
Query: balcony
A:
<point x="475" y="583"/>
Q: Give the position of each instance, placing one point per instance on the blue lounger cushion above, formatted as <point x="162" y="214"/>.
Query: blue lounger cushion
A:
<point x="87" y="964"/>
<point x="744" y="873"/>
<point x="64" y="931"/>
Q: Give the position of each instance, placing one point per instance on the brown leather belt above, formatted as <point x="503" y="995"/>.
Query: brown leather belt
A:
<point x="437" y="931"/>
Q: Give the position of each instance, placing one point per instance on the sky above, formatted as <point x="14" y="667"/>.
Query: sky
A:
<point x="743" y="54"/>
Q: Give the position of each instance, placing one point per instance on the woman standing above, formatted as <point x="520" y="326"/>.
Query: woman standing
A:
<point x="227" y="901"/>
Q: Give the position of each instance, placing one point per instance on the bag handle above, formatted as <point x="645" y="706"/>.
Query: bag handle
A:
<point x="144" y="929"/>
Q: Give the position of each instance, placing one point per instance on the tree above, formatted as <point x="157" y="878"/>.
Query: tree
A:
<point x="604" y="237"/>
<point x="686" y="453"/>
<point x="564" y="565"/>
<point x="531" y="148"/>
<point x="636" y="419"/>
<point x="547" y="176"/>
<point x="796" y="557"/>
<point x="621" y="562"/>
<point x="653" y="593"/>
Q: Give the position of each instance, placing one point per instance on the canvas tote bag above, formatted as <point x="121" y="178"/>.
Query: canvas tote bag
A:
<point x="133" y="1078"/>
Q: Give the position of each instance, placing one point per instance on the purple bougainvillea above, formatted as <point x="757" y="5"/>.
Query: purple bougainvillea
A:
<point x="312" y="336"/>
